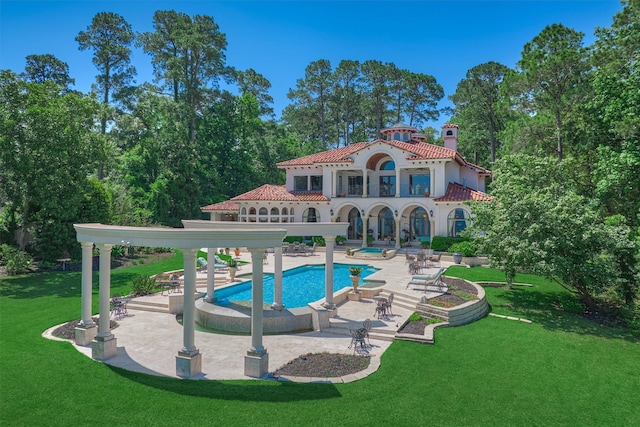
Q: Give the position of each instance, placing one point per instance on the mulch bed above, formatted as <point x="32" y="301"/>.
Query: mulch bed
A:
<point x="324" y="365"/>
<point x="67" y="331"/>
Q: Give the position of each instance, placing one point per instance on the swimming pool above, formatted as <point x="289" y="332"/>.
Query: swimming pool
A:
<point x="300" y="285"/>
<point x="369" y="250"/>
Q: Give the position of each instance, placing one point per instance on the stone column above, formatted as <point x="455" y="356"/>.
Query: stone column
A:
<point x="365" y="190"/>
<point x="328" y="273"/>
<point x="104" y="346"/>
<point x="211" y="275"/>
<point x="277" y="279"/>
<point x="397" y="182"/>
<point x="256" y="362"/>
<point x="189" y="358"/>
<point x="86" y="331"/>
<point x="365" y="227"/>
<point x="398" y="231"/>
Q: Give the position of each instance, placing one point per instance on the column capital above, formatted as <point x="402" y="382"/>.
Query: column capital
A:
<point x="86" y="244"/>
<point x="103" y="247"/>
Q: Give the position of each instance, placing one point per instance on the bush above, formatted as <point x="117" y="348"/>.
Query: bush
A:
<point x="14" y="260"/>
<point x="340" y="239"/>
<point x="143" y="285"/>
<point x="442" y="243"/>
<point x="319" y="241"/>
<point x="465" y="248"/>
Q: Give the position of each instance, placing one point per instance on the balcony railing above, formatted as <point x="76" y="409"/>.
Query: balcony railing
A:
<point x="381" y="191"/>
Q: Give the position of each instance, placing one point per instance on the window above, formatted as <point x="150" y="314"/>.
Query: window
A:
<point x="449" y="133"/>
<point x="386" y="224"/>
<point x="252" y="211"/>
<point x="419" y="183"/>
<point x="299" y="183"/>
<point x="456" y="222"/>
<point x="388" y="165"/>
<point x="387" y="186"/>
<point x="316" y="183"/>
<point x="396" y="136"/>
<point x="311" y="215"/>
<point x="355" y="224"/>
<point x="355" y="185"/>
<point x="263" y="214"/>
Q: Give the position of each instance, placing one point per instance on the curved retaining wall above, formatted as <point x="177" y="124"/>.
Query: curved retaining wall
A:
<point x="238" y="318"/>
<point x="459" y="315"/>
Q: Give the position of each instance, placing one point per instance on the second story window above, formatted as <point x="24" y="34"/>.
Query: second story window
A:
<point x="299" y="183"/>
<point x="316" y="183"/>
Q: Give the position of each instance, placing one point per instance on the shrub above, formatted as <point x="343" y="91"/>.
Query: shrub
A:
<point x="319" y="241"/>
<point x="442" y="243"/>
<point x="15" y="261"/>
<point x="465" y="248"/>
<point x="143" y="285"/>
<point x="355" y="271"/>
<point x="415" y="317"/>
<point x="340" y="239"/>
<point x="370" y="240"/>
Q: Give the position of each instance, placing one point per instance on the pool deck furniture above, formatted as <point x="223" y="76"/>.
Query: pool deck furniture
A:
<point x="428" y="280"/>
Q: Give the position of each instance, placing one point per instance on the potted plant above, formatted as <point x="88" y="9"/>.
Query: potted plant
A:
<point x="237" y="252"/>
<point x="233" y="268"/>
<point x="340" y="240"/>
<point x="384" y="252"/>
<point x="427" y="194"/>
<point x="355" y="277"/>
<point x="348" y="251"/>
<point x="464" y="250"/>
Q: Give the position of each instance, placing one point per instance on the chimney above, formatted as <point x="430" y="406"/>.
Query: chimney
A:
<point x="450" y="136"/>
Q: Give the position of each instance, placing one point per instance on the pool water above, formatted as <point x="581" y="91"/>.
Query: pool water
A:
<point x="300" y="285"/>
<point x="369" y="250"/>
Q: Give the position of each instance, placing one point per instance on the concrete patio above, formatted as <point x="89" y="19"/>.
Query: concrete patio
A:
<point x="147" y="341"/>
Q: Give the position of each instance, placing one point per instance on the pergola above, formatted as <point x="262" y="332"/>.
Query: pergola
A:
<point x="196" y="234"/>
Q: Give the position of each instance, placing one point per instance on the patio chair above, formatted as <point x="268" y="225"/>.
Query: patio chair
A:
<point x="303" y="249"/>
<point x="202" y="264"/>
<point x="408" y="258"/>
<point x="429" y="280"/>
<point x="390" y="303"/>
<point x="358" y="339"/>
<point x="435" y="260"/>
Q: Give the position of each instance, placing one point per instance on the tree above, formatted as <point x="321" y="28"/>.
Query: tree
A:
<point x="188" y="56"/>
<point x="42" y="68"/>
<point x="538" y="223"/>
<point x="45" y="157"/>
<point x="422" y="94"/>
<point x="377" y="80"/>
<point x="347" y="93"/>
<point x="477" y="111"/>
<point x="255" y="84"/>
<point x="111" y="38"/>
<point x="552" y="68"/>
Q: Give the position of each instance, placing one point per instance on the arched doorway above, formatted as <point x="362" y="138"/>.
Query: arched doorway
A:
<point x="420" y="225"/>
<point x="354" y="231"/>
<point x="386" y="224"/>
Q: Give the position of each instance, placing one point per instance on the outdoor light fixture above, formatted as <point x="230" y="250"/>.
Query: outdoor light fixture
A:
<point x="362" y="212"/>
<point x="396" y="212"/>
<point x="331" y="211"/>
<point x="431" y="212"/>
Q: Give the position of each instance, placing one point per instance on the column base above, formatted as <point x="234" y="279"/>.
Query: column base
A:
<point x="278" y="307"/>
<point x="256" y="365"/>
<point x="188" y="365"/>
<point x="85" y="335"/>
<point x="103" y="348"/>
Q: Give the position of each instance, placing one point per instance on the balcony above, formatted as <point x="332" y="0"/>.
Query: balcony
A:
<point x="381" y="191"/>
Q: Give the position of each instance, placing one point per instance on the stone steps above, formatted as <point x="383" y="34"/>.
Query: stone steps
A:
<point x="343" y="327"/>
<point x="155" y="307"/>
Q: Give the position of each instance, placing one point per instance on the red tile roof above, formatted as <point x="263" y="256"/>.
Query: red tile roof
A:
<point x="336" y="155"/>
<point x="280" y="193"/>
<point x="458" y="193"/>
<point x="450" y="125"/>
<point x="424" y="151"/>
<point x="222" y="206"/>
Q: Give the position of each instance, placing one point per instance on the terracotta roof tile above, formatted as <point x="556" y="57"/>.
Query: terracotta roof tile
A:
<point x="424" y="151"/>
<point x="336" y="155"/>
<point x="450" y="125"/>
<point x="222" y="206"/>
<point x="458" y="193"/>
<point x="310" y="196"/>
<point x="268" y="192"/>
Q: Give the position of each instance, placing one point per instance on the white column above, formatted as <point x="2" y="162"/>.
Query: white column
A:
<point x="277" y="279"/>
<point x="334" y="182"/>
<point x="432" y="179"/>
<point x="257" y="295"/>
<point x="397" y="182"/>
<point x="211" y="275"/>
<point x="328" y="272"/>
<point x="87" y="285"/>
<point x="365" y="191"/>
<point x="398" y="231"/>
<point x="188" y="315"/>
<point x="365" y="227"/>
<point x="104" y="329"/>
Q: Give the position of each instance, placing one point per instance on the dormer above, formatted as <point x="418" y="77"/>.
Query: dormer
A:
<point x="399" y="132"/>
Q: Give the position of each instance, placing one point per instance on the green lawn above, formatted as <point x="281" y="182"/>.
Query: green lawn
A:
<point x="559" y="370"/>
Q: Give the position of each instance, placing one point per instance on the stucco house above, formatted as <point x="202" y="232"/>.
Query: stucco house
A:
<point x="398" y="186"/>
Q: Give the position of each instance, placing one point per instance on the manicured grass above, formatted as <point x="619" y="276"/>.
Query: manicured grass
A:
<point x="559" y="370"/>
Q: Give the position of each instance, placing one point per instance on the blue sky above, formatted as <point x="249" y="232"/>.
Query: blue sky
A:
<point x="279" y="39"/>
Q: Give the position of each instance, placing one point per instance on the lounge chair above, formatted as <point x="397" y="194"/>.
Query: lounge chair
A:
<point x="428" y="280"/>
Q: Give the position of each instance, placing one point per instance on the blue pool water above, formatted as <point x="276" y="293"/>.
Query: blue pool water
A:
<point x="370" y="250"/>
<point x="300" y="285"/>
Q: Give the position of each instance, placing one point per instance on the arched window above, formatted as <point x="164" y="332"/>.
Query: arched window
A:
<point x="456" y="222"/>
<point x="388" y="165"/>
<point x="386" y="224"/>
<point x="355" y="225"/>
<point x="396" y="136"/>
<point x="243" y="212"/>
<point x="420" y="226"/>
<point x="274" y="212"/>
<point x="449" y="133"/>
<point x="263" y="215"/>
<point x="252" y="211"/>
<point x="405" y="136"/>
<point x="311" y="215"/>
<point x="285" y="211"/>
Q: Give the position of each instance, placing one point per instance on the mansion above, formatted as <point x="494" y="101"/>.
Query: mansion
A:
<point x="391" y="190"/>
